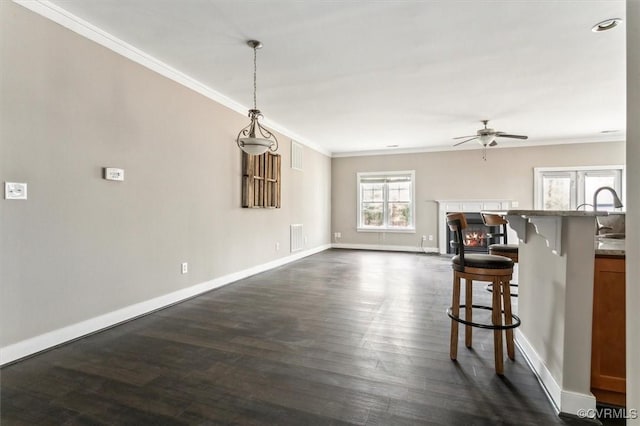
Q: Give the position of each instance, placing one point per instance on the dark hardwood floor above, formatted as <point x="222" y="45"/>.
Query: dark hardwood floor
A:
<point x="340" y="337"/>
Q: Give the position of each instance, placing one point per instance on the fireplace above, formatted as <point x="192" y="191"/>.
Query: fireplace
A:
<point x="467" y="207"/>
<point x="475" y="235"/>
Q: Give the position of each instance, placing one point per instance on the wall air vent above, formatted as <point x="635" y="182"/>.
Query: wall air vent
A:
<point x="297" y="237"/>
<point x="296" y="155"/>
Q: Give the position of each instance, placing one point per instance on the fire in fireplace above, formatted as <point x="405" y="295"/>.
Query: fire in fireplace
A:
<point x="475" y="236"/>
<point x="475" y="239"/>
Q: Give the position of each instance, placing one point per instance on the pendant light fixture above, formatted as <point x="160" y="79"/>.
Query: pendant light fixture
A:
<point x="256" y="139"/>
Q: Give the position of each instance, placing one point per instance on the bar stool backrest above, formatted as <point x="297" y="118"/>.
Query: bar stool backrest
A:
<point x="496" y="220"/>
<point x="457" y="222"/>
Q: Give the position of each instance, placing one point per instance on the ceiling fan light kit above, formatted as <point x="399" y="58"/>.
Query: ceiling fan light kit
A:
<point x="487" y="137"/>
<point x="255" y="139"/>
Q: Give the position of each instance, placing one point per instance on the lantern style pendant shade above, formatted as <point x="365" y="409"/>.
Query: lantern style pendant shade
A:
<point x="256" y="139"/>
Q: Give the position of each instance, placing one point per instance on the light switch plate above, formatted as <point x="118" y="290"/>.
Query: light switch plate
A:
<point x="111" y="173"/>
<point x="15" y="191"/>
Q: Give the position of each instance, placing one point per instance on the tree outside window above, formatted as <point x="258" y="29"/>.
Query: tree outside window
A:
<point x="385" y="201"/>
<point x="569" y="188"/>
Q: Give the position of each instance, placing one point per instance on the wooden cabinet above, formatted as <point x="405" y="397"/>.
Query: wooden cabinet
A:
<point x="608" y="339"/>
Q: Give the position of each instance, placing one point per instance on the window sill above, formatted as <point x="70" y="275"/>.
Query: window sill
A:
<point x="388" y="230"/>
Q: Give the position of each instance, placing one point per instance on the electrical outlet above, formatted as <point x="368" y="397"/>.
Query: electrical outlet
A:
<point x="337" y="235"/>
<point x="277" y="246"/>
<point x="185" y="267"/>
<point x="430" y="237"/>
<point x="514" y="204"/>
<point x="15" y="191"/>
<point x="424" y="238"/>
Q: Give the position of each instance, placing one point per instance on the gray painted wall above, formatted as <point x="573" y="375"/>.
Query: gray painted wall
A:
<point x="81" y="246"/>
<point x="507" y="174"/>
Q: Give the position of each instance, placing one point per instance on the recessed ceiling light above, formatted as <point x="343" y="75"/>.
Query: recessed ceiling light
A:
<point x="606" y="25"/>
<point x="392" y="146"/>
<point x="609" y="131"/>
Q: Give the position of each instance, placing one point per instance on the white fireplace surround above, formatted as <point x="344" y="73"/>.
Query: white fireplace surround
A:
<point x="467" y="206"/>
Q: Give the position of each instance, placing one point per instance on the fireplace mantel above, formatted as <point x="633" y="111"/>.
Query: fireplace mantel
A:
<point x="464" y="206"/>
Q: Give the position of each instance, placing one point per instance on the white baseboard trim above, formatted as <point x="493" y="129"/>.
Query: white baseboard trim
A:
<point x="537" y="365"/>
<point x="382" y="247"/>
<point x="575" y="403"/>
<point x="563" y="401"/>
<point x="59" y="15"/>
<point x="66" y="334"/>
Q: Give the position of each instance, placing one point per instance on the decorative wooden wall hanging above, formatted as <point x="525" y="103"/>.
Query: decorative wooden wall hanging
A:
<point x="261" y="180"/>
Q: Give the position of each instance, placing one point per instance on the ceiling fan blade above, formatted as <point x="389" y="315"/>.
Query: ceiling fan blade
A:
<point x="506" y="135"/>
<point x="460" y="143"/>
<point x="462" y="137"/>
<point x="494" y="143"/>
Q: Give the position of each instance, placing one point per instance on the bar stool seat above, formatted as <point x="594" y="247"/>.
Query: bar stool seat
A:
<point x="507" y="250"/>
<point x="487" y="261"/>
<point x="497" y="270"/>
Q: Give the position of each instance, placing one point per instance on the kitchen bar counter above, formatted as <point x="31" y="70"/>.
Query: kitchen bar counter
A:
<point x="547" y="221"/>
<point x="556" y="273"/>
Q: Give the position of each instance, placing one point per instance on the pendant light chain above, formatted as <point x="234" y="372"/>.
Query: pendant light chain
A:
<point x="255" y="85"/>
<point x="255" y="139"/>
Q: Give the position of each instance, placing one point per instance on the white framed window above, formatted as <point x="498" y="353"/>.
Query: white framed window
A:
<point x="386" y="201"/>
<point x="570" y="188"/>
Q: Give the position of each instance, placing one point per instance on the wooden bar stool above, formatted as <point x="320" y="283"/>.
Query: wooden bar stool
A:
<point x="481" y="267"/>
<point x="500" y="249"/>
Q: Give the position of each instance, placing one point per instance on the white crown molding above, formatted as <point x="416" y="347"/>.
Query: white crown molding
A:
<point x="70" y="21"/>
<point x="391" y="151"/>
<point x="54" y="338"/>
<point x="470" y="147"/>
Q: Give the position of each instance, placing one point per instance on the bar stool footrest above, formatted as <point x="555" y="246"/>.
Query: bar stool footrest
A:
<point x="516" y="319"/>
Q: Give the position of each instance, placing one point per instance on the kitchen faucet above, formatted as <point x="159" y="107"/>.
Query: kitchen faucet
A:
<point x="584" y="205"/>
<point x="616" y="201"/>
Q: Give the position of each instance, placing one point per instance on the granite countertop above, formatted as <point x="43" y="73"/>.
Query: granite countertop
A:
<point x="555" y="213"/>
<point x="603" y="246"/>
<point x="610" y="247"/>
<point x="560" y="213"/>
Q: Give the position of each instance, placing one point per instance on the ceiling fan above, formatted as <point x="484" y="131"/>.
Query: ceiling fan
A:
<point x="487" y="137"/>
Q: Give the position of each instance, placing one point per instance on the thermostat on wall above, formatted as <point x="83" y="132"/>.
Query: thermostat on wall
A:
<point x="111" y="173"/>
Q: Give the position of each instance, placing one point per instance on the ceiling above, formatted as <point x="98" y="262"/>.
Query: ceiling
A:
<point x="355" y="77"/>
